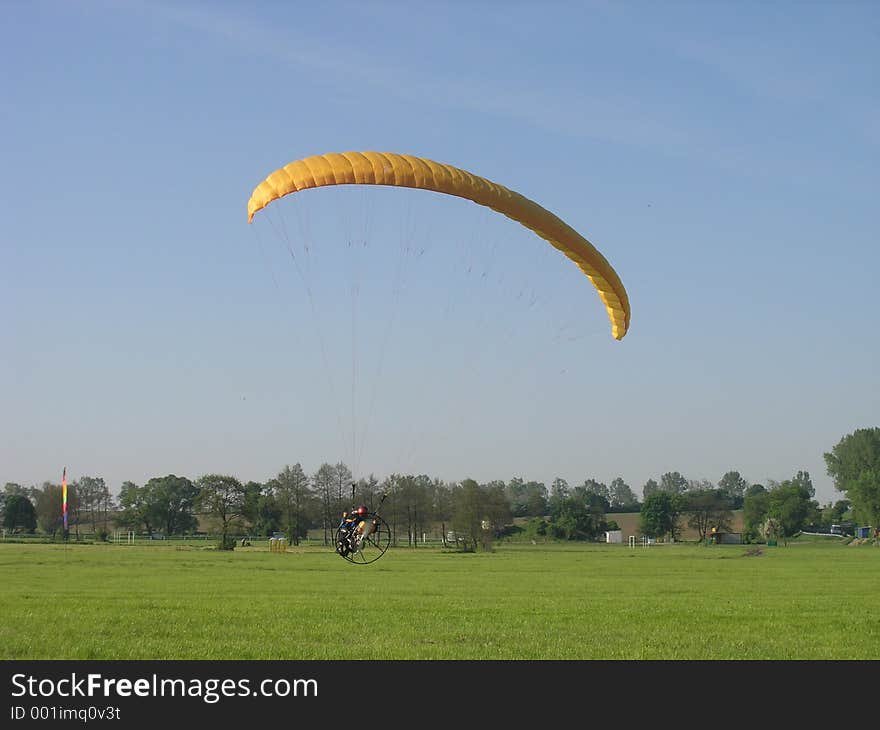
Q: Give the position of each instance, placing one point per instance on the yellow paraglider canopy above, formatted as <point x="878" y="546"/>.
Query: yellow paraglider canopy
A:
<point x="389" y="168"/>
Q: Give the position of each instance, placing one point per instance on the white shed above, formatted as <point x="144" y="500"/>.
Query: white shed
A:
<point x="614" y="536"/>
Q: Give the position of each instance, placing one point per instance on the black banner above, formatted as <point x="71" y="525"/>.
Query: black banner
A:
<point x="136" y="693"/>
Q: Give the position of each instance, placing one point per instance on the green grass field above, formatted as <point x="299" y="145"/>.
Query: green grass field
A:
<point x="804" y="601"/>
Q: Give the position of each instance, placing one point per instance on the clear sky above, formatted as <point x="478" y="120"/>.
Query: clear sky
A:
<point x="722" y="155"/>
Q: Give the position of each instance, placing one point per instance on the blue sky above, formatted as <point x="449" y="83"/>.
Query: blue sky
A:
<point x="721" y="155"/>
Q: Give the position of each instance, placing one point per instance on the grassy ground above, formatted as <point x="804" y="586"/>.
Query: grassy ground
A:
<point x="804" y="601"/>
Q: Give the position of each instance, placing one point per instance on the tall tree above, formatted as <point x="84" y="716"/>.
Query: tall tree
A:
<point x="324" y="482"/>
<point x="804" y="483"/>
<point x="47" y="502"/>
<point x="536" y="499"/>
<point x="467" y="516"/>
<point x="19" y="515"/>
<point x="498" y="514"/>
<point x="516" y="496"/>
<point x="790" y="505"/>
<point x="755" y="506"/>
<point x="137" y="508"/>
<point x="221" y="497"/>
<point x="527" y="499"/>
<point x="392" y="486"/>
<point x="835" y="513"/>
<point x="621" y="495"/>
<point x="661" y="514"/>
<point x="734" y="485"/>
<point x="579" y="517"/>
<point x="592" y="486"/>
<point x="442" y="504"/>
<point x="559" y="488"/>
<point x="708" y="508"/>
<point x="262" y="511"/>
<point x="369" y="491"/>
<point x="173" y="501"/>
<point x="408" y="504"/>
<point x="9" y="489"/>
<point x="94" y="499"/>
<point x="854" y="465"/>
<point x="420" y="503"/>
<point x="479" y="512"/>
<point x="294" y="498"/>
<point x="649" y="488"/>
<point x="343" y="481"/>
<point x="673" y="482"/>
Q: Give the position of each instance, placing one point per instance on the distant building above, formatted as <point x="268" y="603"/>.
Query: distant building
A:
<point x="726" y="538"/>
<point x="614" y="536"/>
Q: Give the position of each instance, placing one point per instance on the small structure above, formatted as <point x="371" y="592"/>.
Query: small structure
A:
<point x="614" y="536"/>
<point x="725" y="538"/>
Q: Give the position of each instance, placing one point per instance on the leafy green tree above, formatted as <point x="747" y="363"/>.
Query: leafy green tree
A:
<point x="137" y="508"/>
<point x="261" y="510"/>
<point x="581" y="515"/>
<point x="572" y="520"/>
<point x="536" y="499"/>
<point x="497" y="509"/>
<point x="592" y="486"/>
<point x="95" y="502"/>
<point x="661" y="514"/>
<point x="479" y="513"/>
<point x="559" y="488"/>
<point x="708" y="508"/>
<point x="253" y="492"/>
<point x="19" y="514"/>
<point x="47" y="503"/>
<point x="594" y="497"/>
<point x="393" y="486"/>
<point x="467" y="516"/>
<point x="324" y="483"/>
<point x="559" y="492"/>
<point x="9" y="489"/>
<point x="790" y="506"/>
<point x="673" y="482"/>
<point x="413" y="504"/>
<point x="342" y="479"/>
<point x="221" y="497"/>
<point x="296" y="501"/>
<point x="756" y="504"/>
<point x="698" y="485"/>
<point x="575" y="520"/>
<point x="527" y="499"/>
<point x="172" y="502"/>
<point x="837" y="512"/>
<point x="854" y="465"/>
<point x="621" y="495"/>
<point x="733" y="484"/>
<point x="370" y="491"/>
<point x="840" y="509"/>
<point x="536" y="528"/>
<point x="803" y="482"/>
<point x="649" y="488"/>
<point x="441" y="503"/>
<point x="516" y="496"/>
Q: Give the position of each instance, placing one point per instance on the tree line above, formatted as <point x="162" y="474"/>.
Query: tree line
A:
<point x="294" y="502"/>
